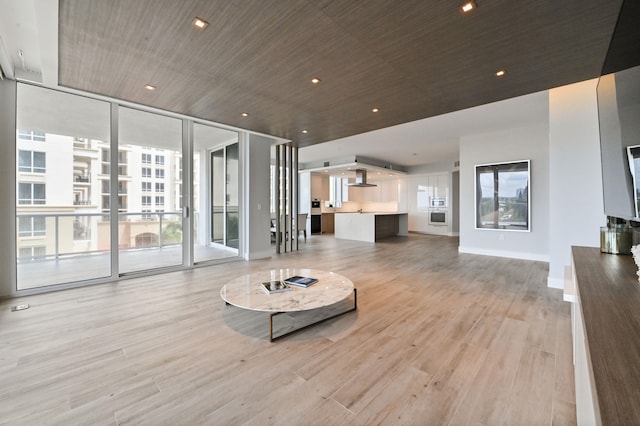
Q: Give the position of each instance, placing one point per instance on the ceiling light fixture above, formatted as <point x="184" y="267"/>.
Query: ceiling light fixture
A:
<point x="469" y="6"/>
<point x="305" y="131"/>
<point x="375" y="110"/>
<point x="500" y="73"/>
<point x="315" y="80"/>
<point x="150" y="87"/>
<point x="199" y="23"/>
<point x="245" y="114"/>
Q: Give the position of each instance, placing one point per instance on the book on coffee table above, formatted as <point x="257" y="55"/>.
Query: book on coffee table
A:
<point x="301" y="281"/>
<point x="275" y="286"/>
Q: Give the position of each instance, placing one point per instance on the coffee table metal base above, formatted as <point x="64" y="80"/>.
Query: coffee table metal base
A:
<point x="271" y="338"/>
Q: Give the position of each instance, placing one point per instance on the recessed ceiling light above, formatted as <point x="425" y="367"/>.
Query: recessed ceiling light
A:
<point x="500" y="73"/>
<point x="305" y="131"/>
<point x="199" y="23"/>
<point x="469" y="6"/>
<point x="375" y="110"/>
<point x="315" y="80"/>
<point x="245" y="114"/>
<point x="150" y="87"/>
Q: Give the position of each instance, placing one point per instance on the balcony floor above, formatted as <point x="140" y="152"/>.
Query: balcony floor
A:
<point x="81" y="267"/>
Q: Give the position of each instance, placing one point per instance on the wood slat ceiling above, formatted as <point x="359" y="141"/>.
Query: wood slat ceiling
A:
<point x="412" y="59"/>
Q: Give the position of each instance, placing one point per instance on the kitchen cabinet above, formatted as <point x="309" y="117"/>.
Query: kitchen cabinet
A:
<point x="420" y="191"/>
<point x="327" y="223"/>
<point x="370" y="227"/>
<point x="319" y="187"/>
<point x="438" y="186"/>
<point x="388" y="190"/>
<point x="385" y="191"/>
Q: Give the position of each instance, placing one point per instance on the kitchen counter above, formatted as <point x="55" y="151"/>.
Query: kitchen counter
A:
<point x="370" y="226"/>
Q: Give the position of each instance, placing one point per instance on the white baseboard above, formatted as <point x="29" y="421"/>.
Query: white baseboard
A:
<point x="555" y="283"/>
<point x="502" y="253"/>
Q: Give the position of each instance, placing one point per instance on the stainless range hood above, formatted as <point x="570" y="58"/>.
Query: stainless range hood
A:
<point x="361" y="179"/>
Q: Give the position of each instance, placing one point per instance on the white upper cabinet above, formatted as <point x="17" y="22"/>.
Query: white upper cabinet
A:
<point x="319" y="187"/>
<point x="438" y="186"/>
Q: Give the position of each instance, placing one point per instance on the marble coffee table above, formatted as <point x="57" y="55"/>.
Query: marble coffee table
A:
<point x="245" y="292"/>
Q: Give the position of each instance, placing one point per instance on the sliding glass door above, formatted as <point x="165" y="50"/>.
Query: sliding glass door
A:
<point x="92" y="206"/>
<point x="149" y="191"/>
<point x="217" y="215"/>
<point x="224" y="196"/>
<point x="62" y="232"/>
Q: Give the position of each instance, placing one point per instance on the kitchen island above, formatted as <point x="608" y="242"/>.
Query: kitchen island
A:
<point x="370" y="227"/>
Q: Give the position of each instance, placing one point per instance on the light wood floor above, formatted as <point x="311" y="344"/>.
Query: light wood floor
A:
<point x="438" y="338"/>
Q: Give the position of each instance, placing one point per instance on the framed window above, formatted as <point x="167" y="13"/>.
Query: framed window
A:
<point x="160" y="173"/>
<point x="159" y="187"/>
<point x="146" y="158"/>
<point x="160" y="160"/>
<point x="31" y="226"/>
<point x="31" y="193"/>
<point x="146" y="172"/>
<point x="29" y="135"/>
<point x="502" y="196"/>
<point x="146" y="200"/>
<point x="26" y="253"/>
<point x="146" y="186"/>
<point x="159" y="201"/>
<point x="31" y="161"/>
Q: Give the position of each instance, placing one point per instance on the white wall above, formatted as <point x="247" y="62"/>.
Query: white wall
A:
<point x="525" y="143"/>
<point x="256" y="198"/>
<point x="7" y="187"/>
<point x="575" y="198"/>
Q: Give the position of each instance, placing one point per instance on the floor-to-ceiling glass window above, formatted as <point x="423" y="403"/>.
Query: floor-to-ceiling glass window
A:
<point x="62" y="233"/>
<point x="149" y="191"/>
<point x="88" y="210"/>
<point x="216" y="193"/>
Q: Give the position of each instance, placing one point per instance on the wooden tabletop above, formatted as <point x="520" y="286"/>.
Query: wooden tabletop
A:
<point x="610" y="298"/>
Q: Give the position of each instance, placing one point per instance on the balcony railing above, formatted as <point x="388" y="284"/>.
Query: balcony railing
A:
<point x="76" y="234"/>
